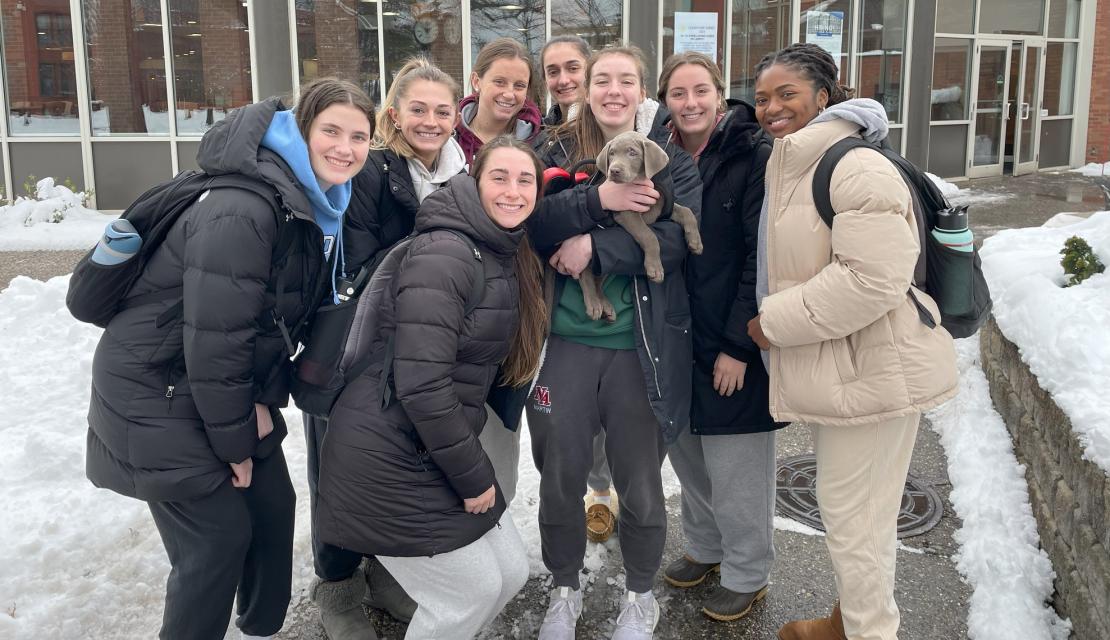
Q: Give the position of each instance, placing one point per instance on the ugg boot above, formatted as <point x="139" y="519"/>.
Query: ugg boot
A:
<point x="830" y="628"/>
<point x="341" y="613"/>
<point x="383" y="592"/>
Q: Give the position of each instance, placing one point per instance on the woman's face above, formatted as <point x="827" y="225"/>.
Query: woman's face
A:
<point x="692" y="99"/>
<point x="785" y="100"/>
<point x="508" y="186"/>
<point x="564" y="68"/>
<point x="502" y="89"/>
<point x="426" y="116"/>
<point x="338" y="141"/>
<point x="615" y="91"/>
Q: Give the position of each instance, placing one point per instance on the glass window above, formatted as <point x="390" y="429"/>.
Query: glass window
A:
<point x="759" y="27"/>
<point x="127" y="66"/>
<point x="1059" y="77"/>
<point x="828" y="24"/>
<point x="882" y="39"/>
<point x="951" y="68"/>
<point x="955" y="16"/>
<point x="692" y="22"/>
<point x="325" y="34"/>
<point x="1011" y="16"/>
<point x="598" y="21"/>
<point x="1063" y="18"/>
<point x="412" y="29"/>
<point x="523" y="20"/>
<point x="40" y="73"/>
<point x="211" y="58"/>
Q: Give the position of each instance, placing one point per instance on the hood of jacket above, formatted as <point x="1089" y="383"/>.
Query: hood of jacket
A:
<point x="737" y="133"/>
<point x="457" y="206"/>
<point x="529" y="121"/>
<point x="234" y="145"/>
<point x="867" y="114"/>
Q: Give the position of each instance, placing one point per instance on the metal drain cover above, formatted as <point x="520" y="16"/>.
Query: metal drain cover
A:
<point x="797" y="498"/>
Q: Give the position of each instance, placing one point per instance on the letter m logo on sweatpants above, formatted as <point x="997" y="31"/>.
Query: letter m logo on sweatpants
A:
<point x="542" y="399"/>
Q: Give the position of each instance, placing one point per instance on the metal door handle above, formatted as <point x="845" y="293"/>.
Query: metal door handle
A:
<point x="1025" y="111"/>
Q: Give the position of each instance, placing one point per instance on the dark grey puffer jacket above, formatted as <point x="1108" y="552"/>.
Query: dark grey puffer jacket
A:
<point x="173" y="405"/>
<point x="393" y="480"/>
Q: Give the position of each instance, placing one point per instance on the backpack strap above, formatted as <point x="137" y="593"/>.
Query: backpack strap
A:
<point x="822" y="178"/>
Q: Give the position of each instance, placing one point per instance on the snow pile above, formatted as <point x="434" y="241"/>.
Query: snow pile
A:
<point x="947" y="189"/>
<point x="1094" y="169"/>
<point x="999" y="547"/>
<point x="956" y="195"/>
<point x="1062" y="332"/>
<point x="56" y="218"/>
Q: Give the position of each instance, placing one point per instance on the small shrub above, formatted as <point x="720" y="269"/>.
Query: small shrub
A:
<point x="1080" y="261"/>
<point x="30" y="185"/>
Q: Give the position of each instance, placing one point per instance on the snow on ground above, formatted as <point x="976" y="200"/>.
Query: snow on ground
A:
<point x="1062" y="332"/>
<point x="956" y="195"/>
<point x="28" y="224"/>
<point x="999" y="553"/>
<point x="1094" y="169"/>
<point x="189" y="122"/>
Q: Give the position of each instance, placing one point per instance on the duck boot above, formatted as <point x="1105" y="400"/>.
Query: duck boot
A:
<point x="830" y="628"/>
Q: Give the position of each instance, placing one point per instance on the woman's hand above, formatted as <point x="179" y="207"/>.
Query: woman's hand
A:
<point x="241" y="473"/>
<point x="755" y="330"/>
<point x="264" y="419"/>
<point x="574" y="255"/>
<point x="637" y="195"/>
<point x="482" y="503"/>
<point x="728" y="374"/>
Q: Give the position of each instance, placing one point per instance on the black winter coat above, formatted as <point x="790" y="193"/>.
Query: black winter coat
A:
<point x="393" y="479"/>
<point x="721" y="280"/>
<point x="173" y="405"/>
<point x="662" y="309"/>
<point x="382" y="210"/>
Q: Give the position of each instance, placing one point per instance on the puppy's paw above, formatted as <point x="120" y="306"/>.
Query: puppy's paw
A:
<point x="596" y="309"/>
<point x="654" y="271"/>
<point x="693" y="241"/>
<point x="608" y="312"/>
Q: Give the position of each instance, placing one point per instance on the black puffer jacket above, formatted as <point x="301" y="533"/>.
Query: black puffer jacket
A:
<point x="721" y="280"/>
<point x="662" y="309"/>
<point x="382" y="210"/>
<point x="393" y="480"/>
<point x="173" y="405"/>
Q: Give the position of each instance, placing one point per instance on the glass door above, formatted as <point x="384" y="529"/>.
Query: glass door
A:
<point x="991" y="108"/>
<point x="1027" y="109"/>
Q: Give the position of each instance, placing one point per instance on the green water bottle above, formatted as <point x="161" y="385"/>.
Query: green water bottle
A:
<point x="951" y="272"/>
<point x="952" y="231"/>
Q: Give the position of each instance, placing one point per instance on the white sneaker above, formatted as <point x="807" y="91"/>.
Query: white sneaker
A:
<point x="562" y="614"/>
<point x="638" y="617"/>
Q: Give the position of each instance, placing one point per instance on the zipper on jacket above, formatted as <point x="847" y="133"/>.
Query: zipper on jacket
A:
<point x="772" y="206"/>
<point x="170" y="386"/>
<point x="643" y="335"/>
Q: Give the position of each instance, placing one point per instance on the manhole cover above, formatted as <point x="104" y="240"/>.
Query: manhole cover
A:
<point x="797" y="498"/>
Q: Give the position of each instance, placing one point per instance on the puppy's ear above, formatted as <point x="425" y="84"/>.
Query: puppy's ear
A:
<point x="655" y="159"/>
<point x="603" y="159"/>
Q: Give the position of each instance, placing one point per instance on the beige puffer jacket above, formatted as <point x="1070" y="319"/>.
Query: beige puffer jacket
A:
<point x="847" y="345"/>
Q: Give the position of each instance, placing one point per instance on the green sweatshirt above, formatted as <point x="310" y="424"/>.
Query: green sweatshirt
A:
<point x="570" y="321"/>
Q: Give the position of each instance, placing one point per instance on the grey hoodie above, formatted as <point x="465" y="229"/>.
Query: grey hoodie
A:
<point x="874" y="125"/>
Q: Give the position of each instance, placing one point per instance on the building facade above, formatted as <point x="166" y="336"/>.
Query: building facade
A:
<point x="115" y="94"/>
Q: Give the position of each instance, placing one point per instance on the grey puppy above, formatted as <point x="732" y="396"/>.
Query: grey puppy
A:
<point x="632" y="156"/>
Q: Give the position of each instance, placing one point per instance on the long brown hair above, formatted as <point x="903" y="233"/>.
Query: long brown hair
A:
<point x="322" y="93"/>
<point x="524" y="354"/>
<point x="587" y="134"/>
<point x="507" y="48"/>
<point x="416" y="68"/>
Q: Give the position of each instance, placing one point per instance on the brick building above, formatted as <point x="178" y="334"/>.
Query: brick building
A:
<point x="118" y="97"/>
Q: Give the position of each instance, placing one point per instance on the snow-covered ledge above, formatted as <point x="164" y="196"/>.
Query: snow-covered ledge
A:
<point x="1046" y="356"/>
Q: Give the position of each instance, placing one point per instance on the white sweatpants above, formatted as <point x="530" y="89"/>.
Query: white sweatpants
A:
<point x="459" y="592"/>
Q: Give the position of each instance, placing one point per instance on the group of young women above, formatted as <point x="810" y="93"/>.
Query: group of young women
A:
<point x="779" y="320"/>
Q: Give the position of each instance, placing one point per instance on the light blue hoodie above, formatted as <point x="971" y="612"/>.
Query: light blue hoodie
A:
<point x="285" y="139"/>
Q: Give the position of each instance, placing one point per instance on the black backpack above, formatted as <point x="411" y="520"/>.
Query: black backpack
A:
<point x="340" y="341"/>
<point x="954" y="279"/>
<point x="98" y="292"/>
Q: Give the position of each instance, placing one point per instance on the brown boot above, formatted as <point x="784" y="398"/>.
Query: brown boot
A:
<point x="830" y="628"/>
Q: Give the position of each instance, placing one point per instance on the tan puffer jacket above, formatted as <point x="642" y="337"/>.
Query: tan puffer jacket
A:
<point x="848" y="347"/>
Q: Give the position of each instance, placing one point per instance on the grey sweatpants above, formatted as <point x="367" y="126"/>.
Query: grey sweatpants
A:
<point x="728" y="504"/>
<point x="502" y="447"/>
<point x="459" y="592"/>
<point x="581" y="390"/>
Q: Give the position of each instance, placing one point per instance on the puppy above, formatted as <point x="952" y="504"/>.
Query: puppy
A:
<point x="632" y="156"/>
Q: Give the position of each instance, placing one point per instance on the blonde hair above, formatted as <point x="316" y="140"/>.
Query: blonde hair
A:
<point x="696" y="59"/>
<point x="388" y="136"/>
<point x="584" y="128"/>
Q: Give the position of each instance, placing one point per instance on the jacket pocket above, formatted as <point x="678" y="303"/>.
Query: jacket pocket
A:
<point x="845" y="362"/>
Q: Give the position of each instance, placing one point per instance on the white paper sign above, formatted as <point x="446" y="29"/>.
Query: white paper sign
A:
<point x="826" y="30"/>
<point x="696" y="32"/>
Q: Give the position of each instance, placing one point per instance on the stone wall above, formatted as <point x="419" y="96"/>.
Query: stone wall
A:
<point x="1070" y="496"/>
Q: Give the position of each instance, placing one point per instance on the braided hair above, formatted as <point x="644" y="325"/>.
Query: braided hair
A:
<point x="816" y="64"/>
